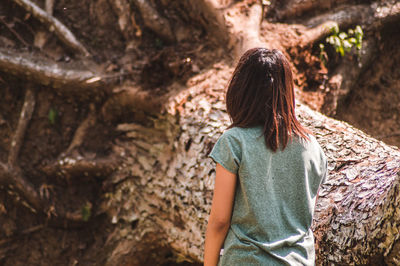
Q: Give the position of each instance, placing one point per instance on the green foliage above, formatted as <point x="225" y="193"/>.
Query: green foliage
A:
<point x="86" y="211"/>
<point x="52" y="116"/>
<point x="342" y="42"/>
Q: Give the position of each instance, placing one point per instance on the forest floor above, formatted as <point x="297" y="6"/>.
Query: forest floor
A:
<point x="374" y="106"/>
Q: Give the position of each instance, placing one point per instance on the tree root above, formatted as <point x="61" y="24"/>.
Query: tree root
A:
<point x="25" y="117"/>
<point x="13" y="177"/>
<point x="71" y="167"/>
<point x="131" y="99"/>
<point x="39" y="70"/>
<point x="62" y="32"/>
<point x="126" y="20"/>
<point x="245" y="31"/>
<point x="293" y="8"/>
<point x="154" y="21"/>
<point x="11" y="174"/>
<point x="232" y="26"/>
<point x="369" y="16"/>
<point x="344" y="17"/>
<point x="80" y="133"/>
<point x="208" y="14"/>
<point x="49" y="6"/>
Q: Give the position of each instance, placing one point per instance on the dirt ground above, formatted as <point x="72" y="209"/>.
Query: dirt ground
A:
<point x="28" y="239"/>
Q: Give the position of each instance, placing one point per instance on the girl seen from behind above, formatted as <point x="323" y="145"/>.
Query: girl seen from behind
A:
<point x="268" y="172"/>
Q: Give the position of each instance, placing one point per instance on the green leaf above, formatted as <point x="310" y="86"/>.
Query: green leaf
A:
<point x="341" y="50"/>
<point x="358" y="30"/>
<point x="52" y="115"/>
<point x="352" y="40"/>
<point x="337" y="41"/>
<point x="342" y="35"/>
<point x="86" y="212"/>
<point x="347" y="45"/>
<point x="335" y="29"/>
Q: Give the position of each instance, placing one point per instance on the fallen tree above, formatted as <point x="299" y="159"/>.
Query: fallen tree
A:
<point x="156" y="178"/>
<point x="168" y="193"/>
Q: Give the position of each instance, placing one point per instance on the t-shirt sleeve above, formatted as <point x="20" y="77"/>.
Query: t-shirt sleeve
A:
<point x="227" y="152"/>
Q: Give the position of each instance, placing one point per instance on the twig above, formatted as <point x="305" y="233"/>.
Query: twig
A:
<point x="14" y="32"/>
<point x="81" y="131"/>
<point x="53" y="24"/>
<point x="25" y="117"/>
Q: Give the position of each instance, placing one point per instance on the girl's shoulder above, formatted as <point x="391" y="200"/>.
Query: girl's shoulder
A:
<point x="243" y="132"/>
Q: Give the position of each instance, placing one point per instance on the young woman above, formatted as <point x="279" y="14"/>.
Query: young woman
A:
<point x="268" y="172"/>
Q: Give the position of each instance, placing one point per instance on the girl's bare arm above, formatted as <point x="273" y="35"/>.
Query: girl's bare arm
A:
<point x="220" y="217"/>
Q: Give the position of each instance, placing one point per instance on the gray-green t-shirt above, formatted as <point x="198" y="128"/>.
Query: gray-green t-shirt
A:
<point x="274" y="199"/>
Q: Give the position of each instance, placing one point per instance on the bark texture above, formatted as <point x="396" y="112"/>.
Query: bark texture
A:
<point x="171" y="180"/>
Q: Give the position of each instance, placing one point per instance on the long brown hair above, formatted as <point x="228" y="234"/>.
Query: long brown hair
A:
<point x="261" y="93"/>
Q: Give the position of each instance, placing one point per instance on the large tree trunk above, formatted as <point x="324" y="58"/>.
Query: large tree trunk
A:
<point x="154" y="175"/>
<point x="171" y="181"/>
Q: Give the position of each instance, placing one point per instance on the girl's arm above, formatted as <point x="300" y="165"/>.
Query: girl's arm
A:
<point x="220" y="217"/>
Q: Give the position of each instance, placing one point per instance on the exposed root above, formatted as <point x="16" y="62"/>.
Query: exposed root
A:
<point x="154" y="21"/>
<point x="131" y="99"/>
<point x="49" y="6"/>
<point x="207" y="13"/>
<point x="62" y="32"/>
<point x="235" y="26"/>
<point x="13" y="177"/>
<point x="126" y="20"/>
<point x="245" y="31"/>
<point x="296" y="8"/>
<point x="370" y="16"/>
<point x="344" y="17"/>
<point x="82" y="129"/>
<point x="56" y="75"/>
<point x="11" y="174"/>
<point x="387" y="13"/>
<point x="72" y="167"/>
<point x="25" y="117"/>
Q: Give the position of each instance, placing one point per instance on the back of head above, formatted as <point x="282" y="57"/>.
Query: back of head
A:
<point x="261" y="93"/>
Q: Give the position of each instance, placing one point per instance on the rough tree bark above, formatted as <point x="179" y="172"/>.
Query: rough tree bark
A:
<point x="158" y="177"/>
<point x="171" y="179"/>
